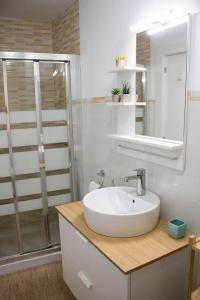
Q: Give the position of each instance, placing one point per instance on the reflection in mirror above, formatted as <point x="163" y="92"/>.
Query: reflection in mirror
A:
<point x="162" y="87"/>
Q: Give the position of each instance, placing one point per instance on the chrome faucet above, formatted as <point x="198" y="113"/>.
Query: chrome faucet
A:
<point x="102" y="175"/>
<point x="140" y="177"/>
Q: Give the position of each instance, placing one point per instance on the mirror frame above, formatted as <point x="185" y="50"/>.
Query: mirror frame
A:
<point x="153" y="142"/>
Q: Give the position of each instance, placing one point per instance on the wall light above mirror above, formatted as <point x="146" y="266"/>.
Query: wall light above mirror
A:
<point x="163" y="50"/>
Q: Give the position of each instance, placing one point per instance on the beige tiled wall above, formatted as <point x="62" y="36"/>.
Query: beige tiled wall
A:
<point x="143" y="58"/>
<point x="27" y="36"/>
<point x="143" y="49"/>
<point x="59" y="36"/>
<point x="21" y="91"/>
<point x="66" y="31"/>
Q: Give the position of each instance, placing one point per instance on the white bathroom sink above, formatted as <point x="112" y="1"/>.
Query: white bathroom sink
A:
<point x="119" y="212"/>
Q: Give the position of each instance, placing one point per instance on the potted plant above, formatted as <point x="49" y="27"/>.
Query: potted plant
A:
<point x="120" y="61"/>
<point x="126" y="90"/>
<point x="115" y="94"/>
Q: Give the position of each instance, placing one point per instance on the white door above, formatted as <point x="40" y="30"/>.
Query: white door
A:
<point x="173" y="100"/>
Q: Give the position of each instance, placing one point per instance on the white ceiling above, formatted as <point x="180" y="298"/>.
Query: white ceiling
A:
<point x="44" y="10"/>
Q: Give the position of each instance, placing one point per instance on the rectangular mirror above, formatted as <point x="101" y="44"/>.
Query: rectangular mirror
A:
<point x="162" y="87"/>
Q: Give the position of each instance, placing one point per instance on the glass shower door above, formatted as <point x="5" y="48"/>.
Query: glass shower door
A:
<point x="35" y="161"/>
<point x="56" y="139"/>
<point x="8" y="232"/>
<point x="26" y="164"/>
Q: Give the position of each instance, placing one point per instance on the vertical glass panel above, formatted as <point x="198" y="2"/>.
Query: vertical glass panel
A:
<point x="21" y="94"/>
<point x="141" y="98"/>
<point x="55" y="129"/>
<point x="140" y="119"/>
<point x="8" y="234"/>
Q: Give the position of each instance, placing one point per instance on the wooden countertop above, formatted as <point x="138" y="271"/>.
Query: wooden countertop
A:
<point x="128" y="254"/>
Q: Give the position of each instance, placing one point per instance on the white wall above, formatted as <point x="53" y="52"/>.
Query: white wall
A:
<point x="104" y="24"/>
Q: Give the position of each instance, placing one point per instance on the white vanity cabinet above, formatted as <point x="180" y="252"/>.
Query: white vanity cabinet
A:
<point x="87" y="272"/>
<point x="90" y="275"/>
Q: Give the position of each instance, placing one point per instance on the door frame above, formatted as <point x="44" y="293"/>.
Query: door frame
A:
<point x="163" y="93"/>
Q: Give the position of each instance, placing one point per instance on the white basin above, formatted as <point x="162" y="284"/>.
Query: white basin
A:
<point x="119" y="212"/>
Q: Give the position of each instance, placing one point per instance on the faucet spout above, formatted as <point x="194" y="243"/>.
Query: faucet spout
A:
<point x="140" y="177"/>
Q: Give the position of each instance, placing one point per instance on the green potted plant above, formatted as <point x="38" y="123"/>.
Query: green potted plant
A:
<point x="126" y="90"/>
<point x="115" y="94"/>
<point x="120" y="61"/>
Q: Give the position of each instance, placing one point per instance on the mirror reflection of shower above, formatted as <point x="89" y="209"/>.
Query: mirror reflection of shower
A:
<point x="141" y="81"/>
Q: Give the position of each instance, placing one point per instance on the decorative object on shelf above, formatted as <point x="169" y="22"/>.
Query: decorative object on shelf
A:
<point x="126" y="90"/>
<point x="176" y="228"/>
<point x="116" y="95"/>
<point x="120" y="61"/>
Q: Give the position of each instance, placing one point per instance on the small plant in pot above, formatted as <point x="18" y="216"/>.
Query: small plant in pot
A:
<point x="120" y="61"/>
<point x="126" y="90"/>
<point x="115" y="94"/>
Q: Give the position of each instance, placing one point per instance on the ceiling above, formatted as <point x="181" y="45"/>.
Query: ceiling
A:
<point x="39" y="10"/>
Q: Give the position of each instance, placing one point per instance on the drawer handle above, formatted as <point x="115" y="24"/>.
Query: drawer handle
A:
<point x="82" y="237"/>
<point x="85" y="279"/>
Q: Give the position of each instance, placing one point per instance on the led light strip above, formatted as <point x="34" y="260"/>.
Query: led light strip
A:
<point x="168" y="25"/>
<point x="165" y="20"/>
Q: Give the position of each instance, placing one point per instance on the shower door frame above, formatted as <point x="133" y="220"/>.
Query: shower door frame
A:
<point x="36" y="58"/>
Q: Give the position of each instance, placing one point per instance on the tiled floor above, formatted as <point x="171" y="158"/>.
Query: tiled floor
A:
<point x="32" y="231"/>
<point x="39" y="283"/>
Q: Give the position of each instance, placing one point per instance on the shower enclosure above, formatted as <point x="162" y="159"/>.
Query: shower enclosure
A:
<point x="36" y="149"/>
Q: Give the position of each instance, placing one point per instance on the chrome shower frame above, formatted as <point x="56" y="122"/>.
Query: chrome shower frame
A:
<point x="36" y="58"/>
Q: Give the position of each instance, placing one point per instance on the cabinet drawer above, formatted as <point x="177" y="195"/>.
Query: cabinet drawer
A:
<point x="87" y="272"/>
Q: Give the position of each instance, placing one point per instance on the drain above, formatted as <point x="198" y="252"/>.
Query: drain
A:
<point x="133" y="201"/>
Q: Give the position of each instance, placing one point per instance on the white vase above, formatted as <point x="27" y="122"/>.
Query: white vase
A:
<point x="125" y="98"/>
<point x="115" y="98"/>
<point x="120" y="63"/>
